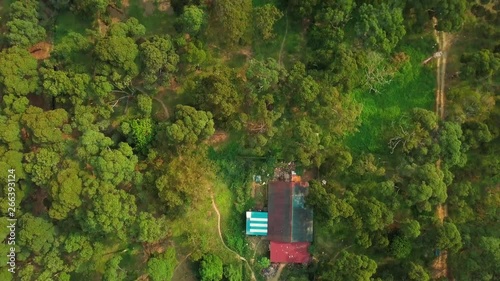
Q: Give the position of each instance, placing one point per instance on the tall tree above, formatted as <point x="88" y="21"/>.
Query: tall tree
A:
<point x="18" y="72"/>
<point x="211" y="268"/>
<point x="190" y="126"/>
<point x="191" y="20"/>
<point x="233" y="19"/>
<point x="348" y="267"/>
<point x="159" y="58"/>
<point x="264" y="19"/>
<point x="380" y="26"/>
<point x="24" y="29"/>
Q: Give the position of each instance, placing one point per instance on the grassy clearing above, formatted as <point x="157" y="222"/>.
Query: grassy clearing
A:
<point x="412" y="87"/>
<point x="156" y="23"/>
<point x="67" y="22"/>
<point x="293" y="46"/>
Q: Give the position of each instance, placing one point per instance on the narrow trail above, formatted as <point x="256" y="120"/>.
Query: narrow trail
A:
<point x="284" y="39"/>
<point x="224" y="243"/>
<point x="165" y="109"/>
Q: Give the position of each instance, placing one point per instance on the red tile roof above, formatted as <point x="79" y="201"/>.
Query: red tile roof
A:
<point x="290" y="252"/>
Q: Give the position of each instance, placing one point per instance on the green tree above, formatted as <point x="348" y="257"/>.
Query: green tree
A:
<point x="233" y="272"/>
<point x="264" y="75"/>
<point x="450" y="14"/>
<point x="162" y="267"/>
<point x="142" y="133"/>
<point x="211" y="268"/>
<point x="113" y="271"/>
<point x="233" y="19"/>
<point x="24" y="29"/>
<point x="411" y="228"/>
<point x="36" y="234"/>
<point x="380" y="26"/>
<point x="145" y="104"/>
<point x="426" y="187"/>
<point x="400" y="247"/>
<point x="418" y="273"/>
<point x="115" y="165"/>
<point x="44" y="126"/>
<point x="42" y="165"/>
<point x="181" y="184"/>
<point x="65" y="192"/>
<point x="217" y="93"/>
<point x="18" y="72"/>
<point x="482" y="64"/>
<point x="116" y="56"/>
<point x="190" y="126"/>
<point x="191" y="20"/>
<point x="264" y="19"/>
<point x="349" y="267"/>
<point x="159" y="59"/>
<point x="449" y="238"/>
<point x="91" y="7"/>
<point x="111" y="211"/>
<point x="450" y="140"/>
<point x="151" y="229"/>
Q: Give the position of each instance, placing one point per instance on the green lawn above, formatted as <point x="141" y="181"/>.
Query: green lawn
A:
<point x="412" y="87"/>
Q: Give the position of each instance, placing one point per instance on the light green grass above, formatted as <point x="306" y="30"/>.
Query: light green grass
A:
<point x="412" y="87"/>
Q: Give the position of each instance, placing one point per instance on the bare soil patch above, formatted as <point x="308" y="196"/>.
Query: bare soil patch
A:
<point x="218" y="138"/>
<point x="41" y="50"/>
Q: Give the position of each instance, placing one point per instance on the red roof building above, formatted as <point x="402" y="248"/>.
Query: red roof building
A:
<point x="290" y="252"/>
<point x="290" y="220"/>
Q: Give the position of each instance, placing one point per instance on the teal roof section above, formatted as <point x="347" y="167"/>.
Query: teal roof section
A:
<point x="257" y="223"/>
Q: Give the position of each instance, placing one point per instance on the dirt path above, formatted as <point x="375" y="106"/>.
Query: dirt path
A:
<point x="165" y="109"/>
<point x="284" y="38"/>
<point x="224" y="243"/>
<point x="278" y="273"/>
<point x="440" y="264"/>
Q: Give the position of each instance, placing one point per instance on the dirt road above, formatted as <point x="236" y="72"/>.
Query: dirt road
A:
<point x="440" y="264"/>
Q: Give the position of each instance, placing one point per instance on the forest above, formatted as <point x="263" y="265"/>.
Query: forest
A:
<point x="131" y="132"/>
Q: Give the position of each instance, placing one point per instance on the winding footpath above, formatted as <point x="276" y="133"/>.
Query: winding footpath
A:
<point x="224" y="243"/>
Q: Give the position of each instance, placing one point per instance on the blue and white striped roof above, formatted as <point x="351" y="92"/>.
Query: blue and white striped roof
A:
<point x="257" y="223"/>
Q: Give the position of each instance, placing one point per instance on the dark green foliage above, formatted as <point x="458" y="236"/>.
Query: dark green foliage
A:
<point x="264" y="18"/>
<point x="211" y="268"/>
<point x="18" y="75"/>
<point x="232" y="18"/>
<point x="380" y="26"/>
<point x="217" y="93"/>
<point x="23" y="26"/>
<point x="482" y="64"/>
<point x="190" y="126"/>
<point x="448" y="238"/>
<point x="162" y="267"/>
<point x="400" y="247"/>
<point x="142" y="132"/>
<point x="191" y="20"/>
<point x="349" y="267"/>
<point x="159" y="59"/>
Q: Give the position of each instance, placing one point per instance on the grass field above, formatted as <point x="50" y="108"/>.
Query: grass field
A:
<point x="412" y="87"/>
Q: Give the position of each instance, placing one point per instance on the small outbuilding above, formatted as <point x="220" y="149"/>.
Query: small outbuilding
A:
<point x="257" y="223"/>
